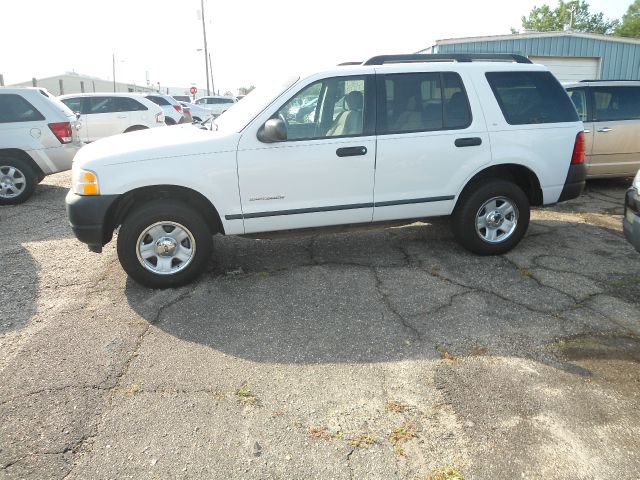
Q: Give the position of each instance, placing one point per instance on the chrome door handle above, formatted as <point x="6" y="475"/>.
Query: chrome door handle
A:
<point x="122" y="116"/>
<point x="586" y="130"/>
<point x="604" y="129"/>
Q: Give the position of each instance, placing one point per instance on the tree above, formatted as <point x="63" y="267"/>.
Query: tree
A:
<point x="573" y="15"/>
<point x="630" y="26"/>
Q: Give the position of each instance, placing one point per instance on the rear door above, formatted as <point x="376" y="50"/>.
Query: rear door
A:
<point x="616" y="135"/>
<point x="431" y="137"/>
<point x="105" y="119"/>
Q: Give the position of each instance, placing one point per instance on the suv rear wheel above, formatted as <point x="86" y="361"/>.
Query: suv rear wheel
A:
<point x="492" y="217"/>
<point x="164" y="244"/>
<point x="17" y="180"/>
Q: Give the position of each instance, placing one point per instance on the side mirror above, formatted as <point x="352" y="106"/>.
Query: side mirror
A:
<point x="274" y="130"/>
<point x="77" y="115"/>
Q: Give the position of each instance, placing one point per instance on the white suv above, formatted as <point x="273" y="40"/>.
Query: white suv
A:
<point x="38" y="137"/>
<point x="106" y="114"/>
<point x="217" y="105"/>
<point x="395" y="138"/>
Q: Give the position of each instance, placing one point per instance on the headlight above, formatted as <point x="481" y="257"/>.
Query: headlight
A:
<point x="84" y="182"/>
<point x="636" y="181"/>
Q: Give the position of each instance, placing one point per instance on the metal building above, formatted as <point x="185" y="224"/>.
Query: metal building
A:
<point x="571" y="56"/>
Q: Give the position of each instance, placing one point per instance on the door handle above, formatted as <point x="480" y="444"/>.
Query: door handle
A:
<point x="468" y="142"/>
<point x="605" y="129"/>
<point x="351" y="151"/>
<point x="586" y="130"/>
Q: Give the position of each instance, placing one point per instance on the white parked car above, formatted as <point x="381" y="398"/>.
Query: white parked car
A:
<point x="479" y="141"/>
<point x="170" y="106"/>
<point x="106" y="114"/>
<point x="198" y="113"/>
<point x="38" y="137"/>
<point x="216" y="104"/>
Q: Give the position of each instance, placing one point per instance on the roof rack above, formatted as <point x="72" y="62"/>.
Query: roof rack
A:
<point x="344" y="64"/>
<point x="444" y="57"/>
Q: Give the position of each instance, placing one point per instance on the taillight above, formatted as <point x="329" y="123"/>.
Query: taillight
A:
<point x="579" y="150"/>
<point x="178" y="108"/>
<point x="62" y="131"/>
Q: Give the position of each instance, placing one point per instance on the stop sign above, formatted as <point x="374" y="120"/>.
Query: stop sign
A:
<point x="193" y="90"/>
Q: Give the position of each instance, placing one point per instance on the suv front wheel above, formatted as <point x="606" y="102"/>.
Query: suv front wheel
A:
<point x="164" y="244"/>
<point x="492" y="217"/>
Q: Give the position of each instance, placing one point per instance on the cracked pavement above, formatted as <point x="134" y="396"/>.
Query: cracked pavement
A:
<point x="377" y="354"/>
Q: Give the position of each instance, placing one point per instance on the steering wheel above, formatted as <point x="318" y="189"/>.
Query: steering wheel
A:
<point x="282" y="117"/>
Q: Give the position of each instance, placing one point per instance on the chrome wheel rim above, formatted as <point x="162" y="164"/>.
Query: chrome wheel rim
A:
<point x="166" y="248"/>
<point x="497" y="219"/>
<point x="12" y="181"/>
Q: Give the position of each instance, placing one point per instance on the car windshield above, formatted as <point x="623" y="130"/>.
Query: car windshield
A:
<point x="239" y="116"/>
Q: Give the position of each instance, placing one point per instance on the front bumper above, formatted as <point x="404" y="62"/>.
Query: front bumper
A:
<point x="631" y="219"/>
<point x="89" y="217"/>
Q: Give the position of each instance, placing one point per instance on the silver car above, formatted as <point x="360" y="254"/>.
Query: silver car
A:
<point x="610" y="110"/>
<point x="38" y="137"/>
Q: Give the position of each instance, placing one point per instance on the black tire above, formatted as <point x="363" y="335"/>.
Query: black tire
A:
<point x="197" y="119"/>
<point x="169" y="121"/>
<point x="135" y="128"/>
<point x="19" y="173"/>
<point x="158" y="211"/>
<point x="467" y="227"/>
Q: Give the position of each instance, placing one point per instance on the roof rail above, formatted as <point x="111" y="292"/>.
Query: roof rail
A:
<point x="444" y="57"/>
<point x="344" y="64"/>
<point x="612" y="80"/>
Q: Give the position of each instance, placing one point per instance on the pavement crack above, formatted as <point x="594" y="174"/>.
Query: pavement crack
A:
<point x="389" y="305"/>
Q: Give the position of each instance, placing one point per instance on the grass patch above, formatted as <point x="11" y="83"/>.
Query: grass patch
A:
<point x="362" y="441"/>
<point x="446" y="472"/>
<point x="246" y="396"/>
<point x="525" y="272"/>
<point x="402" y="434"/>
<point x="397" y="407"/>
<point x="445" y="355"/>
<point x="319" y="432"/>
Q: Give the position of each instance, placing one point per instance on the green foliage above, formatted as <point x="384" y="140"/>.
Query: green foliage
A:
<point x="630" y="26"/>
<point x="573" y="15"/>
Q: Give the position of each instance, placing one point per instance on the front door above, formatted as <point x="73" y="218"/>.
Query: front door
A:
<point x="323" y="173"/>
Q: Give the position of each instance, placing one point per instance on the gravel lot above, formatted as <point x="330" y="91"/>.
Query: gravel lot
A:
<point x="381" y="354"/>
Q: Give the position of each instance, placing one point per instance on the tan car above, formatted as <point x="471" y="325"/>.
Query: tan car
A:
<point x="610" y="111"/>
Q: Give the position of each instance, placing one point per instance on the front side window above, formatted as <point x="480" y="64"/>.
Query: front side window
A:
<point x="333" y="107"/>
<point x="421" y="102"/>
<point x="531" y="98"/>
<point x="616" y="103"/>
<point x="579" y="98"/>
<point x="14" y="108"/>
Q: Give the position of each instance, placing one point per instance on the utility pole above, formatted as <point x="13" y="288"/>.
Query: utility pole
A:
<point x="211" y="70"/>
<point x="206" y="53"/>
<point x="113" y="62"/>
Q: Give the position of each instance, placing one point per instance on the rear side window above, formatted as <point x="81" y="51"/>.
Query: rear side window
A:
<point x="616" y="103"/>
<point x="74" y="104"/>
<point x="101" y="105"/>
<point x="126" y="104"/>
<point x="420" y="102"/>
<point x="158" y="100"/>
<point x="531" y="98"/>
<point x="14" y="108"/>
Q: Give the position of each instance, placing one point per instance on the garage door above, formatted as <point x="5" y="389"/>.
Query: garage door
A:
<point x="571" y="69"/>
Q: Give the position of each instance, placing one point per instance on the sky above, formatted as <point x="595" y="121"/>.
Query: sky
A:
<point x="250" y="42"/>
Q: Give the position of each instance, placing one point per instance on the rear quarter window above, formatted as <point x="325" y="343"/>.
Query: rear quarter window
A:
<point x="527" y="98"/>
<point x="158" y="100"/>
<point x="14" y="108"/>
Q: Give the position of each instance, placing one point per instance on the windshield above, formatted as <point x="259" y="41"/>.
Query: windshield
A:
<point x="237" y="117"/>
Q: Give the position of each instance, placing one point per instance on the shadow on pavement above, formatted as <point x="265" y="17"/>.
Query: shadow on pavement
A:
<point x="19" y="288"/>
<point x="393" y="294"/>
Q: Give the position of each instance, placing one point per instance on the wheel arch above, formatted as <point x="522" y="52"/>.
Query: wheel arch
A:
<point x="127" y="201"/>
<point x="522" y="176"/>
<point x="133" y="128"/>
<point x="18" y="153"/>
